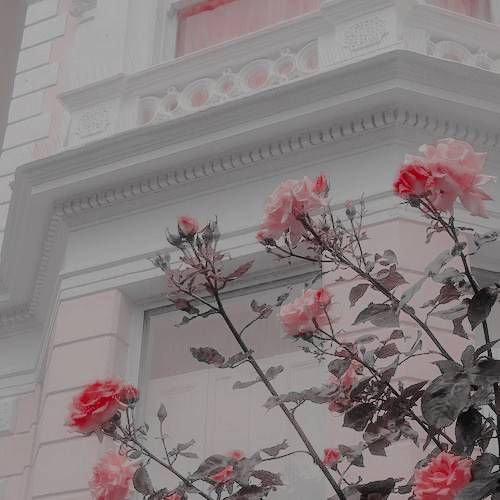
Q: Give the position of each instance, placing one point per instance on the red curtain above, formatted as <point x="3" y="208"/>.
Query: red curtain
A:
<point x="215" y="21"/>
<point x="473" y="8"/>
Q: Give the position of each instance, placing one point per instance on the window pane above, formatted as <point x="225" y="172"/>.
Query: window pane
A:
<point x="202" y="405"/>
<point x="473" y="8"/>
<point x="206" y="25"/>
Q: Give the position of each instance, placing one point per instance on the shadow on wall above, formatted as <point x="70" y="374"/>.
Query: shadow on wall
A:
<point x="12" y="14"/>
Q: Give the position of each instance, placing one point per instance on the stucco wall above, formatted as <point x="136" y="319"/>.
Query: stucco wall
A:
<point x="39" y="457"/>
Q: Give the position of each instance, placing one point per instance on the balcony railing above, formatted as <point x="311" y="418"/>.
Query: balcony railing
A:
<point x="326" y="36"/>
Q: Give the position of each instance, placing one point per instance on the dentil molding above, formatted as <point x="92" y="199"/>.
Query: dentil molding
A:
<point x="392" y="118"/>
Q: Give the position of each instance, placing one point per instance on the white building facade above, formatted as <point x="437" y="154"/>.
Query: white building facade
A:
<point x="123" y="116"/>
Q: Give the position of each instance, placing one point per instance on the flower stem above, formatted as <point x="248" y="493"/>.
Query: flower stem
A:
<point x="153" y="457"/>
<point x="452" y="232"/>
<point x="288" y="414"/>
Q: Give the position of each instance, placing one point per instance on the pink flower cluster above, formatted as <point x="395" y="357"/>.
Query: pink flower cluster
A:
<point x="345" y="384"/>
<point x="291" y="199"/>
<point x="112" y="477"/>
<point x="299" y="317"/>
<point x="443" y="477"/>
<point x="448" y="170"/>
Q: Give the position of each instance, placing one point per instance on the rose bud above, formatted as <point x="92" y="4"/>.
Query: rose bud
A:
<point x="129" y="395"/>
<point x="321" y="185"/>
<point x="188" y="226"/>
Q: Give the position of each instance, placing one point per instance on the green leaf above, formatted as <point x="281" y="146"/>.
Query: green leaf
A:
<point x="468" y="356"/>
<point x="244" y="385"/>
<point x="479" y="489"/>
<point x="445" y="398"/>
<point x="142" y="481"/>
<point x="468" y="430"/>
<point x="387" y="350"/>
<point x="207" y="355"/>
<point x="410" y="292"/>
<point x="382" y="315"/>
<point x="339" y="366"/>
<point x="357" y="292"/>
<point x="211" y="465"/>
<point x="273" y="371"/>
<point x="487" y="368"/>
<point x="273" y="451"/>
<point x="481" y="304"/>
<point x="357" y="417"/>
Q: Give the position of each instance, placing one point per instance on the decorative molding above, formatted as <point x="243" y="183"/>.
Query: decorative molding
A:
<point x="367" y="33"/>
<point x="390" y="117"/>
<point x="255" y="76"/>
<point x="93" y="121"/>
<point x="7" y="416"/>
<point x="420" y="40"/>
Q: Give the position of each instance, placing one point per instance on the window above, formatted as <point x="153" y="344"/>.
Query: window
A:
<point x="202" y="405"/>
<point x="211" y="22"/>
<point x="479" y="9"/>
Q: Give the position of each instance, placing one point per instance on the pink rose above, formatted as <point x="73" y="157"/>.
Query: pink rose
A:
<point x="411" y="181"/>
<point x="289" y="200"/>
<point x="299" y="317"/>
<point x="443" y="477"/>
<point x="129" y="395"/>
<point x="223" y="475"/>
<point x="112" y="477"/>
<point x="332" y="457"/>
<point x="454" y="153"/>
<point x="188" y="226"/>
<point x="94" y="406"/>
<point x="449" y="170"/>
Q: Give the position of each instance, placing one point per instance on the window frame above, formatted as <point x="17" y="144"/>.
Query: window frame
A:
<point x="494" y="11"/>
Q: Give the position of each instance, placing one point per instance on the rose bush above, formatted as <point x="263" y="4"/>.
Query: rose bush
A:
<point x="451" y="412"/>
